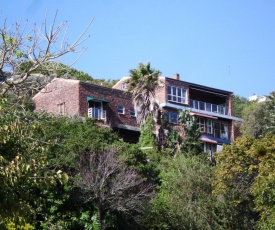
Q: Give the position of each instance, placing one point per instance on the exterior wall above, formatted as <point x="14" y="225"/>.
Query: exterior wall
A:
<point x="114" y="97"/>
<point x="119" y="85"/>
<point x="177" y="83"/>
<point x="161" y="92"/>
<point x="74" y="93"/>
<point x="59" y="91"/>
<point x="203" y="94"/>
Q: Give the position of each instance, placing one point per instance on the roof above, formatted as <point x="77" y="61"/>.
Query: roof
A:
<point x="202" y="87"/>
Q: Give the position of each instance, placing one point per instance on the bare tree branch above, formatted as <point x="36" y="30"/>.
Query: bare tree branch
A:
<point x="37" y="47"/>
<point x="113" y="186"/>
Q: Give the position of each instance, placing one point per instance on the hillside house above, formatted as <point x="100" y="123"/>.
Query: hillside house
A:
<point x="113" y="106"/>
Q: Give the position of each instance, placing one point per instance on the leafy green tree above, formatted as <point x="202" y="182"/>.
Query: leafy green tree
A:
<point x="191" y="143"/>
<point x="184" y="199"/>
<point x="25" y="170"/>
<point x="263" y="187"/>
<point x="253" y="120"/>
<point x="239" y="103"/>
<point x="270" y="114"/>
<point x="37" y="161"/>
<point x="243" y="179"/>
<point x="147" y="138"/>
<point x="142" y="86"/>
<point x="259" y="118"/>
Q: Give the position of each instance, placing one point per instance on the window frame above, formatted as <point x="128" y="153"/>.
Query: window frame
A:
<point x="172" y="117"/>
<point x="177" y="94"/>
<point x="120" y="109"/>
<point x="209" y="126"/>
<point x="124" y="85"/>
<point x="132" y="112"/>
<point x="201" y="123"/>
<point x="61" y="108"/>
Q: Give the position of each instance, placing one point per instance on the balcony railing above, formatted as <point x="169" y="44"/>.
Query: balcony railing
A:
<point x="209" y="107"/>
<point x="97" y="113"/>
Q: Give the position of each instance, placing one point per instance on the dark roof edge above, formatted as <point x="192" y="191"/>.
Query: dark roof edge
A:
<point x="103" y="87"/>
<point x="202" y="86"/>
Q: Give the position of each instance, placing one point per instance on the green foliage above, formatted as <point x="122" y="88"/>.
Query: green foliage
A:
<point x="270" y="114"/>
<point x="253" y="124"/>
<point x="259" y="118"/>
<point x="263" y="188"/>
<point x="13" y="226"/>
<point x="142" y="86"/>
<point x="147" y="138"/>
<point x="239" y="103"/>
<point x="61" y="70"/>
<point x="37" y="162"/>
<point x="191" y="144"/>
<point x="118" y="191"/>
<point x="137" y="159"/>
<point x="184" y="199"/>
<point x="245" y="179"/>
<point x="90" y="222"/>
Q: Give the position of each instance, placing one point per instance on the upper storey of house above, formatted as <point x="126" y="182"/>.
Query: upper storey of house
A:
<point x="174" y="94"/>
<point x="113" y="106"/>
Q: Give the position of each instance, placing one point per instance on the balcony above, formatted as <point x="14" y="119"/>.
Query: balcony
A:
<point x="96" y="113"/>
<point x="209" y="107"/>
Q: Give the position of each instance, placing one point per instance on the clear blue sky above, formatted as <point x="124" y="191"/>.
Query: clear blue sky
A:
<point x="197" y="39"/>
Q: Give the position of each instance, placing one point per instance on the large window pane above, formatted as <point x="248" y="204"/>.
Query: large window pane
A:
<point x="208" y="107"/>
<point x="176" y="94"/>
<point x="196" y="104"/>
<point x="169" y="91"/>
<point x="214" y="108"/>
<point x="201" y="105"/>
<point x="179" y="92"/>
<point x="174" y="89"/>
<point x="192" y="104"/>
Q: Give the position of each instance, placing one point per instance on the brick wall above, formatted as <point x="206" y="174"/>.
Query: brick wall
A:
<point x="59" y="91"/>
<point x="74" y="93"/>
<point x="176" y="83"/>
<point x="114" y="97"/>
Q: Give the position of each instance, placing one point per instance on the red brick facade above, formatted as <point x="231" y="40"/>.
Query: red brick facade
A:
<point x="75" y="98"/>
<point x="57" y="92"/>
<point x="74" y="94"/>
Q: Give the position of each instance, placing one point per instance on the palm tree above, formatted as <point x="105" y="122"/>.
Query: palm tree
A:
<point x="142" y="86"/>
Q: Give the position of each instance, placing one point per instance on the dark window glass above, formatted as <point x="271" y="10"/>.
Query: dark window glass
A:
<point x="120" y="109"/>
<point x="174" y="91"/>
<point x="169" y="89"/>
<point x="132" y="112"/>
<point x="201" y="105"/>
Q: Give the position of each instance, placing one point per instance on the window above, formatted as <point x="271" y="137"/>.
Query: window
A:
<point x="120" y="109"/>
<point x="61" y="108"/>
<point x="224" y="131"/>
<point x="172" y="117"/>
<point x="221" y="130"/>
<point x="176" y="94"/>
<point x="209" y="127"/>
<point x="132" y="112"/>
<point x="201" y="123"/>
<point x="124" y="85"/>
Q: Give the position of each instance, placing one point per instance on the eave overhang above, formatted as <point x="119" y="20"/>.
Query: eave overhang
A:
<point x="214" y="140"/>
<point x="182" y="107"/>
<point x="96" y="99"/>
